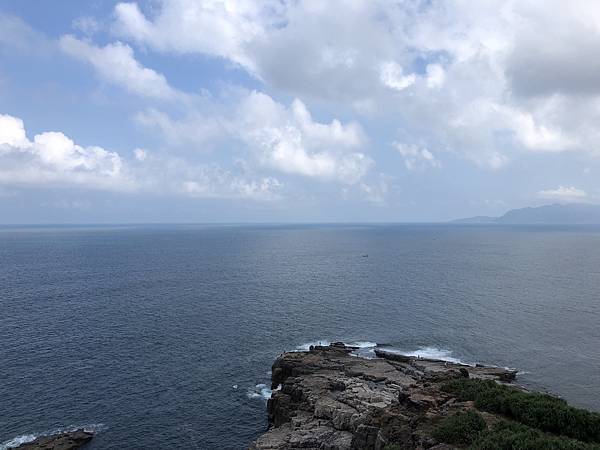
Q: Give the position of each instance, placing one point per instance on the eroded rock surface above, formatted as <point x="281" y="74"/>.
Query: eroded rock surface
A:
<point x="64" y="441"/>
<point x="327" y="398"/>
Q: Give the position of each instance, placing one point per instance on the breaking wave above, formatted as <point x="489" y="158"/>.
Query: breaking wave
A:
<point x="428" y="353"/>
<point x="363" y="344"/>
<point x="25" y="438"/>
<point x="366" y="349"/>
<point x="260" y="391"/>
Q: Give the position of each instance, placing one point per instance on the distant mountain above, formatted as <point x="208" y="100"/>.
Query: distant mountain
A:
<point x="569" y="214"/>
<point x="477" y="219"/>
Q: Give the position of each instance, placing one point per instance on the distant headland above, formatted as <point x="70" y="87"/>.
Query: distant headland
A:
<point x="557" y="214"/>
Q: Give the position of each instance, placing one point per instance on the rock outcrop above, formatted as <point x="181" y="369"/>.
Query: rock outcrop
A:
<point x="327" y="398"/>
<point x="68" y="440"/>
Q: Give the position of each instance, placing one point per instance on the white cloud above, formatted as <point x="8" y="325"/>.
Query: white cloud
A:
<point x="53" y="158"/>
<point x="555" y="52"/>
<point x="415" y="157"/>
<point x="140" y="154"/>
<point x="196" y="129"/>
<point x="116" y="64"/>
<point x="392" y="76"/>
<point x="12" y="133"/>
<point x="540" y="137"/>
<point x="228" y="186"/>
<point x="289" y="140"/>
<point x="530" y="73"/>
<point x="435" y="75"/>
<point x="167" y="173"/>
<point x="350" y="135"/>
<point x="286" y="139"/>
<point x="564" y="194"/>
<point x="217" y="28"/>
<point x="376" y="191"/>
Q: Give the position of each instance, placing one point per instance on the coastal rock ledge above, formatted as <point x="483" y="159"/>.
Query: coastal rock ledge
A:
<point x="327" y="398"/>
<point x="68" y="440"/>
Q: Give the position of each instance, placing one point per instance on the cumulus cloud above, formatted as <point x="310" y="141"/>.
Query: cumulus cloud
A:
<point x="569" y="194"/>
<point x="300" y="46"/>
<point x="53" y="158"/>
<point x="486" y="80"/>
<point x="415" y="157"/>
<point x="217" y="28"/>
<point x="116" y="64"/>
<point x="555" y="52"/>
<point x="288" y="139"/>
<point x="196" y="129"/>
<point x="180" y="176"/>
<point x="166" y="173"/>
<point x="215" y="183"/>
<point x="392" y="76"/>
<point x="538" y="136"/>
<point x="12" y="133"/>
<point x="285" y="139"/>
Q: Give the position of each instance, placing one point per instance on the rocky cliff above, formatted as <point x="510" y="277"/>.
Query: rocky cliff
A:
<point x="327" y="398"/>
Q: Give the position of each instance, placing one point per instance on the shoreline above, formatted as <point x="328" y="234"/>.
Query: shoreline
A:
<point x="327" y="397"/>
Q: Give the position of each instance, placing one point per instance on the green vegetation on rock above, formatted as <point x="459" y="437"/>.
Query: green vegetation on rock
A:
<point x="541" y="411"/>
<point x="469" y="429"/>
<point x="513" y="436"/>
<point x="461" y="428"/>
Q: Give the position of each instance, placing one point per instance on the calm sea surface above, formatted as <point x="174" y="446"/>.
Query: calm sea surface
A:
<point x="158" y="336"/>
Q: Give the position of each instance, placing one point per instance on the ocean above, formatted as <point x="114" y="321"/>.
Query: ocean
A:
<point x="163" y="336"/>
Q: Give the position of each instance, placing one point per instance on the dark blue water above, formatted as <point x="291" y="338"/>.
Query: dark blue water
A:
<point x="144" y="331"/>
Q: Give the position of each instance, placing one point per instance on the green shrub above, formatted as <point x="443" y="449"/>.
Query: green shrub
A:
<point x="461" y="428"/>
<point x="536" y="410"/>
<point x="512" y="436"/>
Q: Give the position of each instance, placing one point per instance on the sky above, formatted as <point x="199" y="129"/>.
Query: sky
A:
<point x="295" y="111"/>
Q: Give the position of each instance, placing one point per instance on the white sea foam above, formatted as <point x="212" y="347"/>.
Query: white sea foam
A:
<point x="427" y="353"/>
<point x="363" y="344"/>
<point x="25" y="438"/>
<point x="260" y="391"/>
<point x="435" y="353"/>
<point x="366" y="349"/>
<point x="19" y="440"/>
